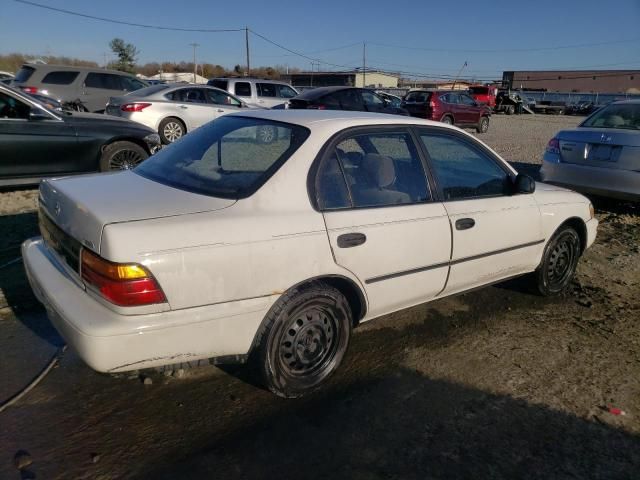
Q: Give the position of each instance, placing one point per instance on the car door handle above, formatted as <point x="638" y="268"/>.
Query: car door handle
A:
<point x="465" y="223"/>
<point x="184" y="106"/>
<point x="220" y="110"/>
<point x="348" y="240"/>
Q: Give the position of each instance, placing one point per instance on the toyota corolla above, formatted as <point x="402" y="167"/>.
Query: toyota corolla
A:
<point x="225" y="247"/>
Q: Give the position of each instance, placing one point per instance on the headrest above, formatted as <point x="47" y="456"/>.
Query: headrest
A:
<point x="380" y="168"/>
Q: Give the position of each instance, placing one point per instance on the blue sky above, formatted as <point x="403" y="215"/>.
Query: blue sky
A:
<point x="449" y="33"/>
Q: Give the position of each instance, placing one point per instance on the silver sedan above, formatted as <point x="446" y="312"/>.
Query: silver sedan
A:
<point x="601" y="156"/>
<point x="175" y="109"/>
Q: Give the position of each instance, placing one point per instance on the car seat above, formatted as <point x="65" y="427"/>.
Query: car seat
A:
<point x="381" y="172"/>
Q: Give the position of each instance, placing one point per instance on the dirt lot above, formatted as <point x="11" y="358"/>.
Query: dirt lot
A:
<point x="498" y="383"/>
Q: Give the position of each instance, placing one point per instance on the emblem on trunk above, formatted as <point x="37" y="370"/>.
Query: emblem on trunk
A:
<point x="604" y="138"/>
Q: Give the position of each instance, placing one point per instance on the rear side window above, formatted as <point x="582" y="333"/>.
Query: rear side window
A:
<point x="266" y="90"/>
<point x="221" y="84"/>
<point x="378" y="169"/>
<point x="418" y="97"/>
<point x="464" y="172"/>
<point x="106" y="81"/>
<point x="24" y="74"/>
<point x="243" y="89"/>
<point x="60" y="78"/>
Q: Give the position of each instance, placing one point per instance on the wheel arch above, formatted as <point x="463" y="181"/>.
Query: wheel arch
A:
<point x="346" y="286"/>
<point x="580" y="227"/>
<point x="176" y="117"/>
<point x="122" y="138"/>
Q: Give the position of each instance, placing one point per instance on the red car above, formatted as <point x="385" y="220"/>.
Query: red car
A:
<point x="484" y="94"/>
<point x="452" y="107"/>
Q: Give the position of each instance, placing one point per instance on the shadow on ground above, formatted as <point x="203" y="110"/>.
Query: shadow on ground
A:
<point x="13" y="281"/>
<point x="404" y="425"/>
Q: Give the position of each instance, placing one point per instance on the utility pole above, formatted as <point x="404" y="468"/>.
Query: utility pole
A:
<point x="105" y="60"/>
<point x="246" y="40"/>
<point x="195" y="65"/>
<point x="364" y="64"/>
<point x="458" y="75"/>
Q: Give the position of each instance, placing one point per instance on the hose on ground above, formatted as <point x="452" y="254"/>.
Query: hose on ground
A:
<point x="52" y="363"/>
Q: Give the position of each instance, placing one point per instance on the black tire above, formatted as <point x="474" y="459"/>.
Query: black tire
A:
<point x="483" y="125"/>
<point x="559" y="262"/>
<point x="171" y="129"/>
<point x="122" y="156"/>
<point x="303" y="339"/>
<point x="510" y="109"/>
<point x="448" y="119"/>
<point x="266" y="134"/>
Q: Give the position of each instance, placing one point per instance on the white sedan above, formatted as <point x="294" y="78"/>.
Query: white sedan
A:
<point x="222" y="246"/>
<point x="173" y="110"/>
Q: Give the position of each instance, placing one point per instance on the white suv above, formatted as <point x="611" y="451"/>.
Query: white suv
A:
<point x="256" y="91"/>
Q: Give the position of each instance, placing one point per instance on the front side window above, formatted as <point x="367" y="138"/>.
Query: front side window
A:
<point x="243" y="89"/>
<point x="225" y="158"/>
<point x="378" y="169"/>
<point x="372" y="100"/>
<point x="463" y="171"/>
<point x="418" y="97"/>
<point x="221" y="84"/>
<point x="106" y="81"/>
<point x="222" y="98"/>
<point x="622" y="115"/>
<point x="466" y="100"/>
<point x="60" y="78"/>
<point x="266" y="90"/>
<point x="285" y="91"/>
<point x="13" y="108"/>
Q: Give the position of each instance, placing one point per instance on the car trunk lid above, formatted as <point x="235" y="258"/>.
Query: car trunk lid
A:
<point x="113" y="106"/>
<point x="79" y="208"/>
<point x="601" y="147"/>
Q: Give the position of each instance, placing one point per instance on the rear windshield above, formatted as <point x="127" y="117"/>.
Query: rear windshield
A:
<point x="418" y="97"/>
<point x="621" y="115"/>
<point x="230" y="157"/>
<point x="218" y="84"/>
<point x="24" y="74"/>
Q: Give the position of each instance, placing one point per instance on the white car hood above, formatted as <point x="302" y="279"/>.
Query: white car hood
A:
<point x="81" y="206"/>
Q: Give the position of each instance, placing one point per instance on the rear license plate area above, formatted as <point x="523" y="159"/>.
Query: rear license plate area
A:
<point x="600" y="153"/>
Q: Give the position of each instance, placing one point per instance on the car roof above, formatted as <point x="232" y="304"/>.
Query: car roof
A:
<point x="49" y="67"/>
<point x="250" y="79"/>
<point x="319" y="91"/>
<point x="336" y="119"/>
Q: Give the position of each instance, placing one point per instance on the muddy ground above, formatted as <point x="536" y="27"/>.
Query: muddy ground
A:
<point x="498" y="383"/>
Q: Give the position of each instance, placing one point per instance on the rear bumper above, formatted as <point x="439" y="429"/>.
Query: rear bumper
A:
<point x="608" y="182"/>
<point x="111" y="342"/>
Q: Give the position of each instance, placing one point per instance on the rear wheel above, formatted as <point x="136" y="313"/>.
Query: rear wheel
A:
<point x="510" y="109"/>
<point x="171" y="129"/>
<point x="303" y="339"/>
<point x="448" y="119"/>
<point x="559" y="262"/>
<point x="483" y="125"/>
<point x="122" y="156"/>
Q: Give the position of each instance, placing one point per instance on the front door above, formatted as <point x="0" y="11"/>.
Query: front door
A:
<point x="382" y="222"/>
<point x="33" y="146"/>
<point x="496" y="234"/>
<point x="222" y="102"/>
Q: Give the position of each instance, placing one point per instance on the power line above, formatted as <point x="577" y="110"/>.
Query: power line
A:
<point x="121" y="22"/>
<point x="501" y="50"/>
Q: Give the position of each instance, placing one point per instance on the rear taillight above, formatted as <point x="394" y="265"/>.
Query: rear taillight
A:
<point x="134" y="107"/>
<point x="31" y="90"/>
<point x="432" y="104"/>
<point x="124" y="284"/>
<point x="553" y="146"/>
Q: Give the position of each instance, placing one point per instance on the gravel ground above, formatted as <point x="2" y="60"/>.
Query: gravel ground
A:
<point x="497" y="383"/>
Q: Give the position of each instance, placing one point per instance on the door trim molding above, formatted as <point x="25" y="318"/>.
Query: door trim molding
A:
<point x="451" y="263"/>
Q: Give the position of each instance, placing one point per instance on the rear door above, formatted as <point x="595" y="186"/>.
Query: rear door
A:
<point x="469" y="113"/>
<point x="32" y="147"/>
<point x="496" y="234"/>
<point x="222" y="102"/>
<point x="383" y="223"/>
<point x="98" y="87"/>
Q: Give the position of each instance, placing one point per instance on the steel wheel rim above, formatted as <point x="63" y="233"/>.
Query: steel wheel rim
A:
<point x="172" y="131"/>
<point x="309" y="343"/>
<point x="561" y="261"/>
<point x="125" y="160"/>
<point x="484" y="126"/>
<point x="447" y="120"/>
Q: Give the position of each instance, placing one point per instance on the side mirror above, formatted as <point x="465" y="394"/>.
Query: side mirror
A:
<point x="36" y="114"/>
<point x="524" y="184"/>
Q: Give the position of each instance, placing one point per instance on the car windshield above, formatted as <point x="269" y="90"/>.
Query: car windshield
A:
<point x="230" y="157"/>
<point x="616" y="115"/>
